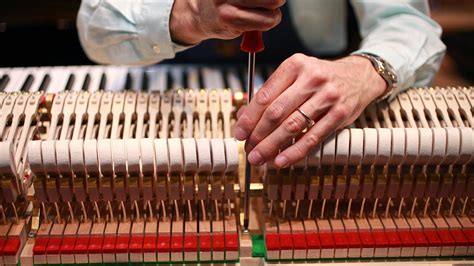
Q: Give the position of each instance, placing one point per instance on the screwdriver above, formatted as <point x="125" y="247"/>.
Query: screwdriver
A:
<point x="252" y="43"/>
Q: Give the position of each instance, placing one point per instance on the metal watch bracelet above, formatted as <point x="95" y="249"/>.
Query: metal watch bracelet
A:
<point x="385" y="70"/>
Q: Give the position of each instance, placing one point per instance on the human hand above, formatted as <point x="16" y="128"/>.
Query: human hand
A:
<point x="331" y="93"/>
<point x="193" y="21"/>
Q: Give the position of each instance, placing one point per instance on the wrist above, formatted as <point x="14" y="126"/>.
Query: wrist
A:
<point x="184" y="23"/>
<point x="369" y="74"/>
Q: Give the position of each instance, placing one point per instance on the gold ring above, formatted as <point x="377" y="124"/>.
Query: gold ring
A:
<point x="310" y="122"/>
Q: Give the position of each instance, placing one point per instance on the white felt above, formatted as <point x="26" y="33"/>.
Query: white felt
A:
<point x="453" y="145"/>
<point x="467" y="146"/>
<point x="384" y="146"/>
<point x="48" y="150"/>
<point x="133" y="156"/>
<point x="343" y="147"/>
<point x="91" y="154"/>
<point x="370" y="146"/>
<point x="76" y="152"/>
<point x="6" y="158"/>
<point x="161" y="155"/>
<point x="147" y="155"/>
<point x="176" y="155"/>
<point x="35" y="157"/>
<point x="357" y="146"/>
<point x="119" y="157"/>
<point x="232" y="155"/>
<point x="439" y="146"/>
<point x="190" y="155"/>
<point x="218" y="156"/>
<point x="412" y="145"/>
<point x="62" y="156"/>
<point x="425" y="146"/>
<point x="104" y="152"/>
<point x="329" y="150"/>
<point x="204" y="155"/>
<point x="398" y="146"/>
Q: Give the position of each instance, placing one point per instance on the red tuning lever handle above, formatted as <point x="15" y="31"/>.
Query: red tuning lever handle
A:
<point x="252" y="42"/>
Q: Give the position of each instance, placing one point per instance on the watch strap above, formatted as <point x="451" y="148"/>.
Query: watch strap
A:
<point x="385" y="70"/>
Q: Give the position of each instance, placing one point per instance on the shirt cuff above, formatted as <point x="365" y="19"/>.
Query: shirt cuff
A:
<point x="153" y="27"/>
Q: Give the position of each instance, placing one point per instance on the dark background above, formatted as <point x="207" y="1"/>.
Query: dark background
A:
<point x="42" y="32"/>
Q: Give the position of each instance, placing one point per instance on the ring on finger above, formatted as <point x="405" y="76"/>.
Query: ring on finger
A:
<point x="309" y="122"/>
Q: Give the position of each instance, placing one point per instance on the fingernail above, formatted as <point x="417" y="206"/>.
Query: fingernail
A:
<point x="240" y="133"/>
<point x="281" y="161"/>
<point x="255" y="158"/>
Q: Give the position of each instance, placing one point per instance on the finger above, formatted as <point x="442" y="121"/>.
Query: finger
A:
<point x="241" y="111"/>
<point x="278" y="82"/>
<point x="332" y="121"/>
<point x="249" y="19"/>
<point x="267" y="4"/>
<point x="289" y="129"/>
<point x="276" y="112"/>
<point x="287" y="103"/>
<point x="314" y="109"/>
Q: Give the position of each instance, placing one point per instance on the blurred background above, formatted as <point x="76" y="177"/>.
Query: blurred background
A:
<point x="43" y="33"/>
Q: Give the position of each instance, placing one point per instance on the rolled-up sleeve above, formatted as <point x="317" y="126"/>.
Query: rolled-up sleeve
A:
<point x="133" y="32"/>
<point x="402" y="33"/>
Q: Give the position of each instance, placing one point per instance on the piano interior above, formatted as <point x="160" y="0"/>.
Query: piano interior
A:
<point x="112" y="164"/>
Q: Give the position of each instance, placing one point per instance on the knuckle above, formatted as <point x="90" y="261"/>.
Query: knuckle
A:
<point x="294" y="63"/>
<point x="311" y="140"/>
<point x="230" y="19"/>
<point x="338" y="114"/>
<point x="298" y="59"/>
<point x="272" y="21"/>
<point x="341" y="112"/>
<point x="317" y="74"/>
<point x="263" y="96"/>
<point x="255" y="139"/>
<point x="288" y="64"/>
<point x="225" y="15"/>
<point x="245" y="121"/>
<point x="332" y="95"/>
<point x="293" y="126"/>
<point x="278" y="17"/>
<point x="299" y="152"/>
<point x="275" y="111"/>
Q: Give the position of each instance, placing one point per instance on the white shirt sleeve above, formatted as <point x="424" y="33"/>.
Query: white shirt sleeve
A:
<point x="133" y="32"/>
<point x="402" y="33"/>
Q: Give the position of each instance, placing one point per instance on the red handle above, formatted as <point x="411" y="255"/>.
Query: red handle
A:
<point x="252" y="42"/>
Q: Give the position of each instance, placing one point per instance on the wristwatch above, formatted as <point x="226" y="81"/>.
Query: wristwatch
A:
<point x="386" y="71"/>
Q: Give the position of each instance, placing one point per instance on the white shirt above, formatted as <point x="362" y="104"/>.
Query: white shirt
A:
<point x="399" y="31"/>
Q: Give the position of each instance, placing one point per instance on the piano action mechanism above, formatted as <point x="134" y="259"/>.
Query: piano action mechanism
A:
<point x="125" y="165"/>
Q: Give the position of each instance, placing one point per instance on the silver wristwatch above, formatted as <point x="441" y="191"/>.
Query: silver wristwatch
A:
<point x="386" y="71"/>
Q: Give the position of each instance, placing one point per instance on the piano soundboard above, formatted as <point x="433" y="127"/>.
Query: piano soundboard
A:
<point x="115" y="164"/>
